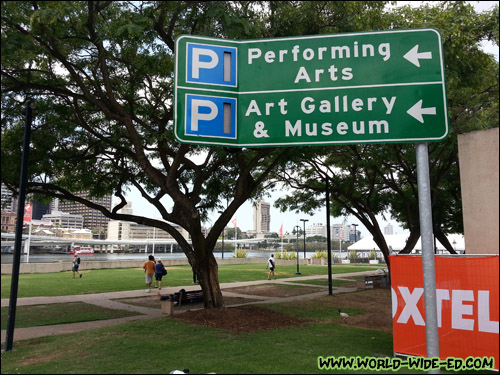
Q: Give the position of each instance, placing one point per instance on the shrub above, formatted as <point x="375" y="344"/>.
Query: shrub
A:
<point x="286" y="255"/>
<point x="319" y="255"/>
<point x="240" y="253"/>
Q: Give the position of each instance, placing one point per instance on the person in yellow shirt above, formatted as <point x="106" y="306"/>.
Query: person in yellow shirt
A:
<point x="149" y="267"/>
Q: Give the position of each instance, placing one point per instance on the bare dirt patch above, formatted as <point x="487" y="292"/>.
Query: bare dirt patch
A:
<point x="240" y="319"/>
<point x="41" y="359"/>
<point x="376" y="303"/>
<point x="378" y="306"/>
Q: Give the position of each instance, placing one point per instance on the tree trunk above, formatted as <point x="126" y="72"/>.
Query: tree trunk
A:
<point x="441" y="237"/>
<point x="379" y="239"/>
<point x="411" y="241"/>
<point x="207" y="271"/>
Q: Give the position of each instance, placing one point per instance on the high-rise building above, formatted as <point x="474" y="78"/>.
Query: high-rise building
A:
<point x="262" y="217"/>
<point x="92" y="219"/>
<point x="340" y="232"/>
<point x="64" y="219"/>
<point x="337" y="231"/>
<point x="9" y="203"/>
<point x="316" y="229"/>
<point x="40" y="208"/>
<point x="388" y="229"/>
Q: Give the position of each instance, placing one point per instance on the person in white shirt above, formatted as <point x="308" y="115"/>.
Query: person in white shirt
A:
<point x="271" y="264"/>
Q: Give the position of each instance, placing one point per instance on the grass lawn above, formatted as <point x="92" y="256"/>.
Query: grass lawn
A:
<point x="166" y="344"/>
<point x="58" y="313"/>
<point x="163" y="345"/>
<point x="120" y="279"/>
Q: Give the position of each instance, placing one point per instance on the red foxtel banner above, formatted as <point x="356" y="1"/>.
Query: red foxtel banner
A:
<point x="467" y="306"/>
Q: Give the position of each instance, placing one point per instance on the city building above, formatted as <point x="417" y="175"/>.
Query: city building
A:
<point x="40" y="208"/>
<point x="261" y="218"/>
<point x="388" y="229"/>
<point x="9" y="203"/>
<point x="8" y="221"/>
<point x="316" y="229"/>
<point x="84" y="234"/>
<point x="354" y="235"/>
<point x="64" y="219"/>
<point x="126" y="230"/>
<point x="337" y="231"/>
<point x="92" y="219"/>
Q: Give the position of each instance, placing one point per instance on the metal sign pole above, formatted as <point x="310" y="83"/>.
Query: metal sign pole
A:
<point x="425" y="213"/>
<point x="328" y="237"/>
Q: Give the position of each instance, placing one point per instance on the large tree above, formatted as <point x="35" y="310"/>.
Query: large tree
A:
<point x="101" y="75"/>
<point x="367" y="180"/>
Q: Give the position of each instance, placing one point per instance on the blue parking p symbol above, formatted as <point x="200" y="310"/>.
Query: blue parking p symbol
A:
<point x="212" y="116"/>
<point x="212" y="65"/>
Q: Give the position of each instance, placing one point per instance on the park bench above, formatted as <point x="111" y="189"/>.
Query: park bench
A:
<point x="373" y="281"/>
<point x="376" y="281"/>
<point x="188" y="297"/>
<point x="179" y="298"/>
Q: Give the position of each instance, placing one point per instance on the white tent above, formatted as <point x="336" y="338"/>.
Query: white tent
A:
<point x="396" y="242"/>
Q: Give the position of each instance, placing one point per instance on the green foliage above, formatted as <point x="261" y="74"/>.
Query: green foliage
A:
<point x="102" y="76"/>
<point x="286" y="255"/>
<point x="319" y="255"/>
<point x="371" y="180"/>
<point x="240" y="253"/>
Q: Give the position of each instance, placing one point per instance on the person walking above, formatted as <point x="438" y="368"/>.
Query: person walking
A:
<point x="160" y="272"/>
<point x="271" y="264"/>
<point x="76" y="266"/>
<point x="149" y="268"/>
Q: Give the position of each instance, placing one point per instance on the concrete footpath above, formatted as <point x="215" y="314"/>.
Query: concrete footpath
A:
<point x="108" y="300"/>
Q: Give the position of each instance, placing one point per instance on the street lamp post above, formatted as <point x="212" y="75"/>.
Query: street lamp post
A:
<point x="355" y="232"/>
<point x="297" y="230"/>
<point x="223" y="230"/>
<point x="304" y="221"/>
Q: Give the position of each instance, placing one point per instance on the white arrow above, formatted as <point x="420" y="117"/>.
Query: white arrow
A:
<point x="413" y="56"/>
<point x="417" y="111"/>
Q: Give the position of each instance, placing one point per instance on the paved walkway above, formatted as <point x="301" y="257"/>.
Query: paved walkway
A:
<point x="108" y="300"/>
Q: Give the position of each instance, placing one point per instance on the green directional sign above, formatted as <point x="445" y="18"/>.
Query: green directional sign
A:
<point x="373" y="87"/>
